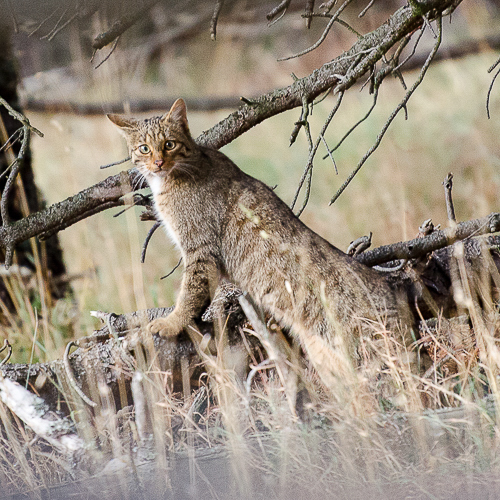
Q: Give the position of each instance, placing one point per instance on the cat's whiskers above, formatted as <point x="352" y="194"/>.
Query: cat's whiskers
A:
<point x="138" y="180"/>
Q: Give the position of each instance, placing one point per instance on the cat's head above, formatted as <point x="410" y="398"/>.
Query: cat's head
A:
<point x="158" y="145"/>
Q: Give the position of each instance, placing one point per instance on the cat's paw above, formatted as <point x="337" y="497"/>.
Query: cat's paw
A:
<point x="166" y="327"/>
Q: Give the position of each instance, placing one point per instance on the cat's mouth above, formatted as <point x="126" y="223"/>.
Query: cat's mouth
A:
<point x="154" y="169"/>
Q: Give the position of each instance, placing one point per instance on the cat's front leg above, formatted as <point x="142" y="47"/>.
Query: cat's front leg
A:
<point x="200" y="276"/>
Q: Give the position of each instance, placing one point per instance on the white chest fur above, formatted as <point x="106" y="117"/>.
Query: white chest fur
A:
<point x="155" y="183"/>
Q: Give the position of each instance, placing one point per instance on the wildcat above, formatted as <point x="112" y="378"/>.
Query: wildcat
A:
<point x="229" y="224"/>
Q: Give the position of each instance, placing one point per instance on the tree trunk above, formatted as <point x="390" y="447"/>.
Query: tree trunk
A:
<point x="24" y="197"/>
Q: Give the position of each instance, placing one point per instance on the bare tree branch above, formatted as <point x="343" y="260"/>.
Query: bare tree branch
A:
<point x="370" y="49"/>
<point x="411" y="62"/>
<point x="105" y="194"/>
<point x="16" y="163"/>
<point x="342" y="73"/>
<point x="121" y="25"/>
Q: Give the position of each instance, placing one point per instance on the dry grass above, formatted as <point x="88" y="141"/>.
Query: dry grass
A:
<point x="368" y="435"/>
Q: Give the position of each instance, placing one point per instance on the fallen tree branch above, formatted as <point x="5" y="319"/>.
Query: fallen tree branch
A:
<point x="419" y="247"/>
<point x="58" y="430"/>
<point x="135" y="106"/>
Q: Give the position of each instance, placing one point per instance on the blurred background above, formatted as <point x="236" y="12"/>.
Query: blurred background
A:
<point x="65" y="89"/>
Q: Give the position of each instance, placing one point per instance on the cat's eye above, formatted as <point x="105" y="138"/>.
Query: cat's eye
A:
<point x="144" y="149"/>
<point x="169" y="145"/>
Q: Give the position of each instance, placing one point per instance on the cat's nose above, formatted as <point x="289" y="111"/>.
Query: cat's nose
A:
<point x="159" y="163"/>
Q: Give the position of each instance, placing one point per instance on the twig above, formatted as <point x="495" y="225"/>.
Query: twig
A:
<point x="328" y="5"/>
<point x="302" y="120"/>
<point x="329" y="16"/>
<point x="494" y="65"/>
<point x="400" y="106"/>
<point x="308" y="12"/>
<point x="50" y="16"/>
<point x="172" y="271"/>
<point x="13" y="139"/>
<point x="54" y="29"/>
<point x="349" y="27"/>
<point x="323" y="35"/>
<point x="14" y="169"/>
<point x="307" y="175"/>
<point x="116" y="163"/>
<point x="71" y="378"/>
<point x="412" y="53"/>
<point x="215" y="18"/>
<point x="491" y="86"/>
<point x="156" y="225"/>
<point x="7" y="170"/>
<point x="115" y="43"/>
<point x="120" y="26"/>
<point x="429" y="25"/>
<point x="60" y="28"/>
<point x="19" y="116"/>
<point x="346" y="135"/>
<point x="7" y="346"/>
<point x="329" y="154"/>
<point x="364" y="11"/>
<point x="280" y="8"/>
<point x="307" y="194"/>
<point x="448" y="184"/>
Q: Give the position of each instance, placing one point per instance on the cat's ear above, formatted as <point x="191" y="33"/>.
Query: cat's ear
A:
<point x="126" y="125"/>
<point x="178" y="114"/>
